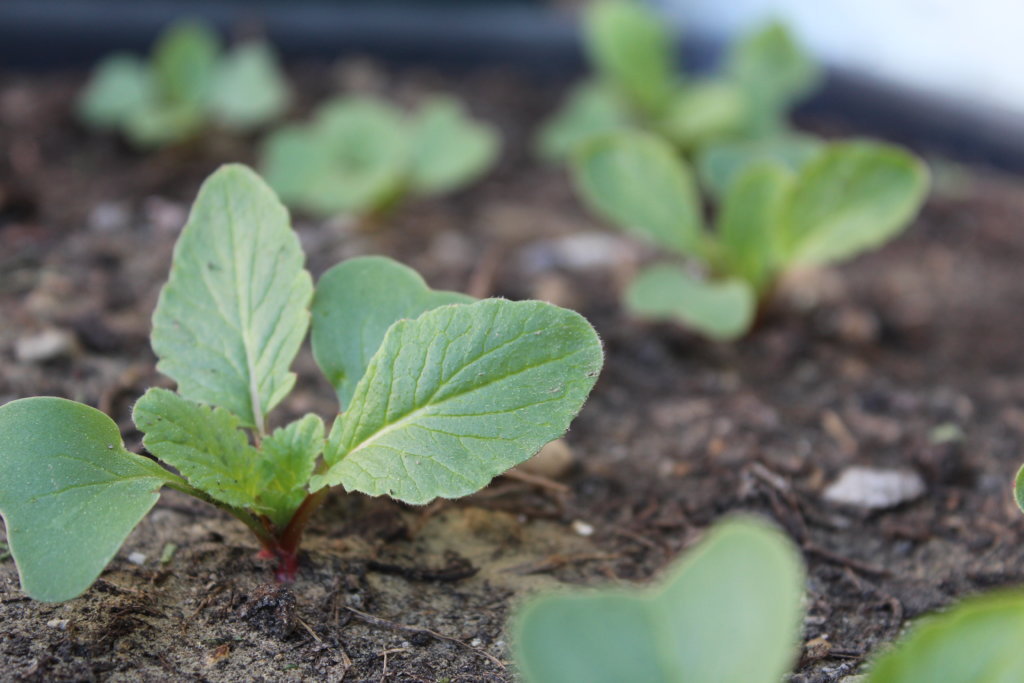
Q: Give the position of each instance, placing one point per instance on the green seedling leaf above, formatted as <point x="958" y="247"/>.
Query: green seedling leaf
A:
<point x="351" y="159"/>
<point x="156" y="124"/>
<point x="205" y="444"/>
<point x="355" y="304"/>
<point x="720" y="163"/>
<point x="731" y="611"/>
<point x="185" y="59"/>
<point x="978" y="641"/>
<point x="448" y="149"/>
<point x="720" y="309"/>
<point x="704" y="111"/>
<point x="854" y="197"/>
<point x="460" y="395"/>
<point x="69" y="493"/>
<point x="637" y="182"/>
<point x="248" y="88"/>
<point x="591" y="110"/>
<point x="775" y="73"/>
<point x="121" y="85"/>
<point x="234" y="312"/>
<point x="289" y="455"/>
<point x="1018" y="489"/>
<point x="748" y="223"/>
<point x="632" y="51"/>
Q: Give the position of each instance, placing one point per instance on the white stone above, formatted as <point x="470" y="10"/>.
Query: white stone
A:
<point x="875" y="488"/>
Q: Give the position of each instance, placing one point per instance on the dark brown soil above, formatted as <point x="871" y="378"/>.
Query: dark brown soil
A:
<point x="860" y="368"/>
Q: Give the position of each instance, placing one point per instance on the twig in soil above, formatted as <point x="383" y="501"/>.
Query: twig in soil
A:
<point x="457" y="570"/>
<point x="384" y="654"/>
<point x="417" y="630"/>
<point x="537" y="480"/>
<point x="309" y="630"/>
<point x="553" y="562"/>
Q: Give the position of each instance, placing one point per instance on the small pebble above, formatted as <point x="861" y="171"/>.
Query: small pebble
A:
<point x="582" y="528"/>
<point x="874" y="488"/>
<point x="43" y="346"/>
<point x="137" y="558"/>
<point x="61" y="624"/>
<point x="578" y="252"/>
<point x="108" y="217"/>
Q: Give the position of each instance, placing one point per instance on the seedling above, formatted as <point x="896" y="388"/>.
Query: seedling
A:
<point x="636" y="84"/>
<point x="731" y="611"/>
<point x="1018" y="489"/>
<point x="847" y="198"/>
<point x="360" y="155"/>
<point x="441" y="393"/>
<point x="188" y="85"/>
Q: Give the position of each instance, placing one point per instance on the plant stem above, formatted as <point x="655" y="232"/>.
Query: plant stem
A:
<point x="266" y="538"/>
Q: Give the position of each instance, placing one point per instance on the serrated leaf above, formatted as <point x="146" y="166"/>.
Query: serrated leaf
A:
<point x="205" y="444"/>
<point x="248" y="88"/>
<point x="719" y="309"/>
<point x="355" y="304"/>
<point x="631" y="49"/>
<point x="69" y="493"/>
<point x="703" y="111"/>
<point x="460" y="395"/>
<point x="720" y="163"/>
<point x="748" y="223"/>
<point x="589" y="111"/>
<point x="351" y="159"/>
<point x="854" y="197"/>
<point x="234" y="312"/>
<point x="977" y="641"/>
<point x="637" y="182"/>
<point x="120" y="85"/>
<point x="731" y="611"/>
<point x="447" y="148"/>
<point x="288" y="456"/>
<point x="184" y="60"/>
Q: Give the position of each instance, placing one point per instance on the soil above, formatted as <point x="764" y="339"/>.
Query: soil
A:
<point x="857" y="366"/>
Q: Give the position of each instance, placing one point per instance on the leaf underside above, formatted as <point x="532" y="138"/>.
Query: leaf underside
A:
<point x="459" y="395"/>
<point x="69" y="493"/>
<point x="234" y="312"/>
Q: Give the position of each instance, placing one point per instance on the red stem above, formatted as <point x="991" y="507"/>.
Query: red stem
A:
<point x="286" y="544"/>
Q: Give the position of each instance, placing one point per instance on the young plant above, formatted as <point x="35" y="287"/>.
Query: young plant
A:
<point x="730" y="611"/>
<point x="440" y="394"/>
<point x="636" y="84"/>
<point x="188" y="85"/>
<point x="360" y="155"/>
<point x="847" y="198"/>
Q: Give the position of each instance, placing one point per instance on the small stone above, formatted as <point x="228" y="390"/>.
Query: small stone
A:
<point x="61" y="624"/>
<point x="874" y="488"/>
<point x="582" y="528"/>
<point x="44" y="346"/>
<point x="108" y="217"/>
<point x="553" y="461"/>
<point x="137" y="558"/>
<point x="579" y="252"/>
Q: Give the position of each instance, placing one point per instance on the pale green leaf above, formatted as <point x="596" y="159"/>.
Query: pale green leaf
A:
<point x="719" y="309"/>
<point x="355" y="304"/>
<point x="447" y="148"/>
<point x="748" y="223"/>
<point x="703" y="111"/>
<point x="590" y="110"/>
<point x="235" y="310"/>
<point x="120" y="85"/>
<point x="638" y="183"/>
<point x="156" y="124"/>
<point x="631" y="49"/>
<point x="731" y="611"/>
<point x="205" y="444"/>
<point x="288" y="456"/>
<point x="184" y="60"/>
<point x="460" y="395"/>
<point x="248" y="88"/>
<point x="720" y="163"/>
<point x="854" y="197"/>
<point x="978" y="641"/>
<point x="291" y="160"/>
<point x="1018" y="489"/>
<point x="69" y="493"/>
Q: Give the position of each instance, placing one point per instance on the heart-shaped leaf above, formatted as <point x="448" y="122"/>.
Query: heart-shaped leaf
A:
<point x="720" y="309"/>
<point x="248" y="88"/>
<point x="120" y="86"/>
<point x="460" y="395"/>
<point x="637" y="182"/>
<point x="69" y="493"/>
<point x="355" y="304"/>
<point x="234" y="312"/>
<point x="447" y="149"/>
<point x="978" y="641"/>
<point x="730" y="612"/>
<point x="590" y="110"/>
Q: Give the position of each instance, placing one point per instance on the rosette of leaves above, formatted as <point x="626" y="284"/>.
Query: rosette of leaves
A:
<point x="440" y="392"/>
<point x="635" y="83"/>
<point x="188" y="85"/>
<point x="848" y="197"/>
<point x="360" y="155"/>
